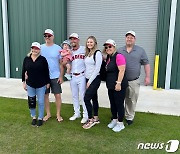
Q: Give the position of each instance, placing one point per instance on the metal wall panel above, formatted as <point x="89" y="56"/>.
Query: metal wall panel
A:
<point x="27" y="21"/>
<point x="2" y="69"/>
<point x="162" y="38"/>
<point x="112" y="19"/>
<point x="175" y="74"/>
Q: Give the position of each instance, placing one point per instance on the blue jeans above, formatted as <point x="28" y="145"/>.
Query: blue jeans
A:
<point x="40" y="92"/>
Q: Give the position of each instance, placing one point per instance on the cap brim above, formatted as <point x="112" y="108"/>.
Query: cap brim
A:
<point x="49" y="34"/>
<point x="130" y="34"/>
<point x="35" y="47"/>
<point x="108" y="44"/>
<point x="73" y="37"/>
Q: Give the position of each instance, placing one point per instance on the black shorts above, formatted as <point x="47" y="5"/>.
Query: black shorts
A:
<point x="54" y="86"/>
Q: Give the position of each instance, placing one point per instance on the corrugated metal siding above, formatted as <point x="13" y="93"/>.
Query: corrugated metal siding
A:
<point x="175" y="74"/>
<point x="112" y="19"/>
<point x="27" y="21"/>
<point x="162" y="38"/>
<point x="2" y="69"/>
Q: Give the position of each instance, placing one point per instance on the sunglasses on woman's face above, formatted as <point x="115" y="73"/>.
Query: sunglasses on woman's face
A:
<point x="45" y="35"/>
<point x="109" y="46"/>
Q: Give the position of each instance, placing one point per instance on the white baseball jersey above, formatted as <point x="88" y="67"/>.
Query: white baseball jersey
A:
<point x="78" y="82"/>
<point x="78" y="65"/>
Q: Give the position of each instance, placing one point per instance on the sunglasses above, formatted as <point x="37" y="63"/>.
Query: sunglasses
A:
<point x="106" y="47"/>
<point x="45" y="35"/>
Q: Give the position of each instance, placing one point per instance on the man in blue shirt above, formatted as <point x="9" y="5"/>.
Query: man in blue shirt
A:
<point x="50" y="51"/>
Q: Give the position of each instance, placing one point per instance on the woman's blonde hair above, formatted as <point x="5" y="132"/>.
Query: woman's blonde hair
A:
<point x="88" y="52"/>
<point x="30" y="52"/>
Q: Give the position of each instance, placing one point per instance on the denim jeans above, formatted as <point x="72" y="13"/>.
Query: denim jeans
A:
<point x="40" y="93"/>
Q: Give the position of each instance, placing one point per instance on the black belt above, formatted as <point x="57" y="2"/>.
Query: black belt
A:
<point x="76" y="74"/>
<point x="134" y="79"/>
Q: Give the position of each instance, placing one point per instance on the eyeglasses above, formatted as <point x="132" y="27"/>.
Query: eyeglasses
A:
<point x="47" y="36"/>
<point x="106" y="47"/>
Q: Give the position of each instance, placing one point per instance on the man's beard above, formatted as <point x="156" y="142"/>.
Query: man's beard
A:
<point x="73" y="44"/>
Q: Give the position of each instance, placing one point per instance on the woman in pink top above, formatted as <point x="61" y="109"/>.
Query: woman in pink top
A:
<point x="116" y="83"/>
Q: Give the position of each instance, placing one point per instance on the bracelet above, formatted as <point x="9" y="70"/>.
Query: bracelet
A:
<point x="118" y="82"/>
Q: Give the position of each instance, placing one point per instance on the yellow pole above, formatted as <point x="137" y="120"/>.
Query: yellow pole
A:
<point x="156" y="72"/>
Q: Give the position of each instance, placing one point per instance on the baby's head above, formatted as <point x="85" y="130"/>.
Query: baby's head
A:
<point x="66" y="45"/>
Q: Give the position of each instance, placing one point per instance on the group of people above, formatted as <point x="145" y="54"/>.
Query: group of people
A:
<point x="44" y="67"/>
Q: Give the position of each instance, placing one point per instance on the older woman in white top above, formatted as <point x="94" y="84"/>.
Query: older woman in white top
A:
<point x="93" y="61"/>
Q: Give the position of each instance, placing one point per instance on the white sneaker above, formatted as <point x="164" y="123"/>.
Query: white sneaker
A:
<point x="112" y="124"/>
<point x="74" y="117"/>
<point x="68" y="76"/>
<point x="84" y="120"/>
<point x="119" y="126"/>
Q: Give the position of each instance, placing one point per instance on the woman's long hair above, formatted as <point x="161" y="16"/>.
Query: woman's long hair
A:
<point x="30" y="53"/>
<point x="88" y="51"/>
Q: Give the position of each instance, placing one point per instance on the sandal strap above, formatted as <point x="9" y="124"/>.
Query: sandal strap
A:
<point x="89" y="124"/>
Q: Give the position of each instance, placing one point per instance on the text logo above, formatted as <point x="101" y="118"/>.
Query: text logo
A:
<point x="170" y="146"/>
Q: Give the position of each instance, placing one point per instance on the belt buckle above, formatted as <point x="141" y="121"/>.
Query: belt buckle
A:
<point x="76" y="74"/>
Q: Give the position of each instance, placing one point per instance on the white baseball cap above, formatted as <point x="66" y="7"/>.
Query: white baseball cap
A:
<point x="49" y="31"/>
<point x="111" y="42"/>
<point x="36" y="44"/>
<point x="75" y="35"/>
<point x="131" y="32"/>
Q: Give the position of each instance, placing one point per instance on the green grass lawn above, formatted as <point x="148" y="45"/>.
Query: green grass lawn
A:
<point x="18" y="136"/>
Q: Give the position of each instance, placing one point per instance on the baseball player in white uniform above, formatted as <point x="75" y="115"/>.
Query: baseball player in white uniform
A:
<point x="78" y="81"/>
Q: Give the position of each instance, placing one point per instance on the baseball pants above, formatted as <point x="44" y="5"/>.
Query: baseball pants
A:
<point x="78" y="88"/>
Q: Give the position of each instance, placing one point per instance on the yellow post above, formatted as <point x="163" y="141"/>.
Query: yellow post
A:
<point x="156" y="72"/>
